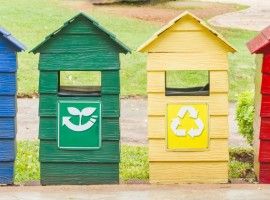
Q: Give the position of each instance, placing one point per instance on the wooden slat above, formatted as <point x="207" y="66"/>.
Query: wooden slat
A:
<point x="264" y="173"/>
<point x="189" y="24"/>
<point x="218" y="127"/>
<point x="156" y="82"/>
<point x="186" y="61"/>
<point x="218" y="151"/>
<point x="6" y="172"/>
<point x="7" y="127"/>
<point x="193" y="41"/>
<point x="219" y="81"/>
<point x="8" y="84"/>
<point x="188" y="172"/>
<point x="218" y="103"/>
<point x="8" y="106"/>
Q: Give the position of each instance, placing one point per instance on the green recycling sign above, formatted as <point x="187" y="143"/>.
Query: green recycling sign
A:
<point x="79" y="124"/>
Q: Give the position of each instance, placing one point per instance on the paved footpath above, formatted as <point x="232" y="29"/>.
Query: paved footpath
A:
<point x="133" y="122"/>
<point x="138" y="192"/>
<point x="256" y="17"/>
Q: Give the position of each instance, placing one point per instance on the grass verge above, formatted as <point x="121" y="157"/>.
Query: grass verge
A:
<point x="134" y="163"/>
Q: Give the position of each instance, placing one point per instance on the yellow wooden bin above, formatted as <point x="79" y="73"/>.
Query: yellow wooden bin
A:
<point x="187" y="128"/>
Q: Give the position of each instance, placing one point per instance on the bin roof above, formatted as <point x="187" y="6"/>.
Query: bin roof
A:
<point x="260" y="43"/>
<point x="144" y="47"/>
<point x="11" y="40"/>
<point x="122" y="47"/>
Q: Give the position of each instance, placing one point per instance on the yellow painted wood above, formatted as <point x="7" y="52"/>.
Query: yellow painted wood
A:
<point x="218" y="151"/>
<point x="193" y="41"/>
<point x="219" y="81"/>
<point x="188" y="172"/>
<point x="186" y="61"/>
<point x="156" y="82"/>
<point x="257" y="118"/>
<point x="188" y="24"/>
<point x="218" y="127"/>
<point x="149" y="45"/>
<point x="157" y="102"/>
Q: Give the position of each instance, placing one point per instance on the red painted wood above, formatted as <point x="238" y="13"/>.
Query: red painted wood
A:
<point x="260" y="43"/>
<point x="265" y="129"/>
<point x="265" y="107"/>
<point x="266" y="64"/>
<point x="264" y="155"/>
<point x="264" y="173"/>
<point x="265" y="84"/>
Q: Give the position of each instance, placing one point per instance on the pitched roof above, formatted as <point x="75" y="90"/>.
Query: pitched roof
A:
<point x="122" y="46"/>
<point x="260" y="41"/>
<point x="12" y="40"/>
<point x="174" y="21"/>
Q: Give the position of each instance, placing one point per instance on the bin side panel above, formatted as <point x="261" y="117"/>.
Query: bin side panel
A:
<point x="48" y="128"/>
<point x="110" y="83"/>
<point x="264" y="173"/>
<point x="8" y="84"/>
<point x="265" y="128"/>
<point x="8" y="62"/>
<point x="264" y="151"/>
<point x="109" y="153"/>
<point x="7" y="150"/>
<point x="7" y="127"/>
<point x="48" y="82"/>
<point x="8" y="106"/>
<point x="6" y="172"/>
<point x="79" y="173"/>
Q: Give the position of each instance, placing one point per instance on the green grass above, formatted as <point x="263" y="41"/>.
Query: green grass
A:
<point x="31" y="20"/>
<point x="134" y="163"/>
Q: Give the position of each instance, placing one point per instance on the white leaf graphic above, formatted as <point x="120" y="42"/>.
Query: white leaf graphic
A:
<point x="73" y="111"/>
<point x="88" y="111"/>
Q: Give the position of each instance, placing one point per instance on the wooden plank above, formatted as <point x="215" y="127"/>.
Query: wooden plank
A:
<point x="8" y="62"/>
<point x="7" y="127"/>
<point x="110" y="82"/>
<point x="74" y="43"/>
<point x="80" y="61"/>
<point x="186" y="61"/>
<point x="48" y="128"/>
<point x="265" y="84"/>
<point x="8" y="106"/>
<point x="265" y="129"/>
<point x="265" y="106"/>
<point x="8" y="85"/>
<point x="264" y="173"/>
<point x="7" y="150"/>
<point x="187" y="41"/>
<point x="218" y="151"/>
<point x="218" y="103"/>
<point x="110" y="104"/>
<point x="264" y="155"/>
<point x="219" y="81"/>
<point x="48" y="82"/>
<point x="218" y="127"/>
<point x="156" y="82"/>
<point x="109" y="153"/>
<point x="6" y="172"/>
<point x="188" y="172"/>
<point x="79" y="173"/>
<point x="188" y="24"/>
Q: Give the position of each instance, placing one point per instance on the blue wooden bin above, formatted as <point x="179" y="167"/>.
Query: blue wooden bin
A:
<point x="9" y="47"/>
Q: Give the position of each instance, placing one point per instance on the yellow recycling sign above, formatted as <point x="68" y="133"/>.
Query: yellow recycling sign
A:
<point x="187" y="126"/>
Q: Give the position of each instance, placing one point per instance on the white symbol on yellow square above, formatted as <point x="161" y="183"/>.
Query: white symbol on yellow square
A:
<point x="187" y="126"/>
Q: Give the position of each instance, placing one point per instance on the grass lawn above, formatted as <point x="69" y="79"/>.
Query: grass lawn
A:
<point x="31" y="20"/>
<point x="133" y="166"/>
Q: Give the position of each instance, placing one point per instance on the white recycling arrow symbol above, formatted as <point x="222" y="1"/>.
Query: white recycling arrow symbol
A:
<point x="176" y="122"/>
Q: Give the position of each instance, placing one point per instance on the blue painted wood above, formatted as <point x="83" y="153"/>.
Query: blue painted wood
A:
<point x="16" y="45"/>
<point x="7" y="106"/>
<point x="7" y="150"/>
<point x="7" y="127"/>
<point x="6" y="172"/>
<point x="8" y="62"/>
<point x="8" y="84"/>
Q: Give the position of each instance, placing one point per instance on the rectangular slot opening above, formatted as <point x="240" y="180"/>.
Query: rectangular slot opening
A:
<point x="80" y="83"/>
<point x="187" y="83"/>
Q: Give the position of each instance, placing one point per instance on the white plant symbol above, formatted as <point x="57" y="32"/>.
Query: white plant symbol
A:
<point x="85" y="112"/>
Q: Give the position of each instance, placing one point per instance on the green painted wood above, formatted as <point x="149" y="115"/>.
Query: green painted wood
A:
<point x="110" y="104"/>
<point x="79" y="173"/>
<point x="73" y="43"/>
<point x="48" y="82"/>
<point x="109" y="131"/>
<point x="95" y="61"/>
<point x="108" y="153"/>
<point x="110" y="82"/>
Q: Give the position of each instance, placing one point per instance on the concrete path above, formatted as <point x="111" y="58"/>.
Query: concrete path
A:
<point x="133" y="122"/>
<point x="138" y="192"/>
<point x="257" y="17"/>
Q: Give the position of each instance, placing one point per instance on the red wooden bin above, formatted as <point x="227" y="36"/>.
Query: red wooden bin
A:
<point x="260" y="45"/>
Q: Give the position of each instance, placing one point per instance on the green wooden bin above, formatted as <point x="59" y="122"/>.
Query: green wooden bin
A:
<point x="79" y="126"/>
